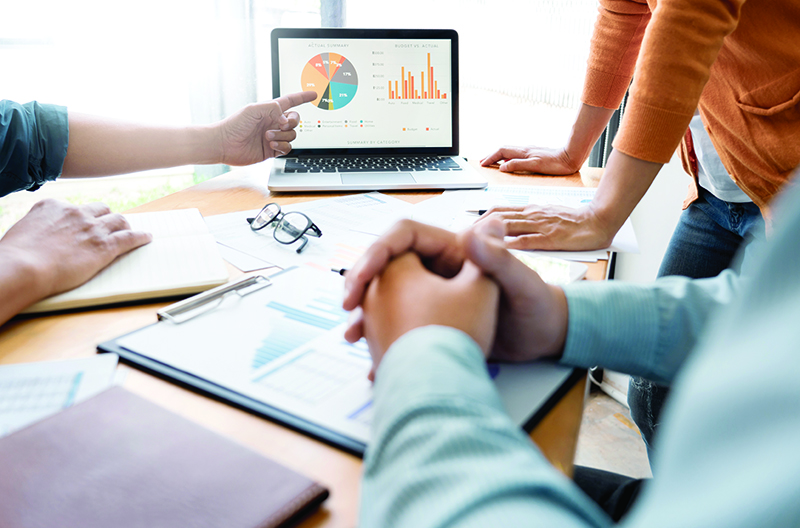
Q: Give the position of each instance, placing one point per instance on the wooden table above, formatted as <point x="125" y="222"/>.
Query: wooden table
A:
<point x="74" y="335"/>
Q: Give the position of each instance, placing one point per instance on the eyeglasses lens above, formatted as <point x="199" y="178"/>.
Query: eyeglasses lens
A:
<point x="291" y="227"/>
<point x="266" y="216"/>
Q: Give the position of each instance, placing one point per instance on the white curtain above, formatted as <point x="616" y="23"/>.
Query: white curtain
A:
<point x="533" y="50"/>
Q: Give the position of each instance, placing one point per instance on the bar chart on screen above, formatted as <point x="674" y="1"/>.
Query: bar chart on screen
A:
<point x="413" y="86"/>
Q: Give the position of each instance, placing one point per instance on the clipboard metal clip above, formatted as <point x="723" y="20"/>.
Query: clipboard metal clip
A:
<point x="188" y="309"/>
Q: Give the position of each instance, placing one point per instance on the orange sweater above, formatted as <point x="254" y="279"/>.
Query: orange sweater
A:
<point x="737" y="61"/>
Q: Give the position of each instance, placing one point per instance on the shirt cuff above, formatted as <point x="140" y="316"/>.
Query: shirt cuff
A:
<point x="612" y="325"/>
<point x="430" y="363"/>
<point x="52" y="130"/>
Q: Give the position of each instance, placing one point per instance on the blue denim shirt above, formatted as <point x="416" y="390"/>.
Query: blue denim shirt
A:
<point x="33" y="144"/>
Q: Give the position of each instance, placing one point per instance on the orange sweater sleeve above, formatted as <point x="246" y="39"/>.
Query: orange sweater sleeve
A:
<point x="617" y="37"/>
<point x="680" y="43"/>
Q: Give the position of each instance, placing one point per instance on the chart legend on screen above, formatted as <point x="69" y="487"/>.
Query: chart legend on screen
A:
<point x="406" y="87"/>
<point x="333" y="77"/>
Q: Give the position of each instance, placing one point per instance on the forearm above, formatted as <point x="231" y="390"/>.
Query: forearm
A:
<point x="444" y="453"/>
<point x="624" y="182"/>
<point x="644" y="330"/>
<point x="102" y="147"/>
<point x="589" y="125"/>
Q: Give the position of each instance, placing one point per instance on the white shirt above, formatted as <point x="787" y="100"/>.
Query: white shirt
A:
<point x="711" y="174"/>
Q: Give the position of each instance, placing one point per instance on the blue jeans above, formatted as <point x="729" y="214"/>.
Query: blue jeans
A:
<point x="705" y="242"/>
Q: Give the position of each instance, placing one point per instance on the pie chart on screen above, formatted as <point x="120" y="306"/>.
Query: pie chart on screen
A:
<point x="334" y="79"/>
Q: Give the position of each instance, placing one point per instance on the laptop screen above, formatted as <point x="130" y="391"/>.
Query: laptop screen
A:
<point x="378" y="91"/>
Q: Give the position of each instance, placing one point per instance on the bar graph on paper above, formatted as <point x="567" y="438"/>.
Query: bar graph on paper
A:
<point x="293" y="327"/>
<point x="32" y="391"/>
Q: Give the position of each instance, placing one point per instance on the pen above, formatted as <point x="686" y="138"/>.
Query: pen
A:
<point x="339" y="271"/>
<point x="480" y="212"/>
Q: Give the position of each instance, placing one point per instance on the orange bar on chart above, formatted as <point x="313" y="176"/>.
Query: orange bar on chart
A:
<point x="430" y="77"/>
<point x="406" y="87"/>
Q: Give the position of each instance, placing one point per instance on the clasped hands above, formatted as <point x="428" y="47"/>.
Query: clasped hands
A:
<point x="418" y="275"/>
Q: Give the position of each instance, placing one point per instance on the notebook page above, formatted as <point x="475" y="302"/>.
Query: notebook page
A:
<point x="182" y="258"/>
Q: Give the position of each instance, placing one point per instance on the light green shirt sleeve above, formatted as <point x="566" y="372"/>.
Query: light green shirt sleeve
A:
<point x="645" y="330"/>
<point x="444" y="452"/>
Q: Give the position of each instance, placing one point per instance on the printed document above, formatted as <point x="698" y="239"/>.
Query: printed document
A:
<point x="32" y="391"/>
<point x="283" y="346"/>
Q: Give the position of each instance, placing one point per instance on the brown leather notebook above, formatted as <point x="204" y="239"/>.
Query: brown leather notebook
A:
<point x="118" y="460"/>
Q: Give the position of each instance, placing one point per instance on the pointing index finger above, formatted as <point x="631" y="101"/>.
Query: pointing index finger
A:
<point x="291" y="100"/>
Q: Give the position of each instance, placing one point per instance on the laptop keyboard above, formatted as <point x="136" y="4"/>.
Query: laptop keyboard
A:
<point x="371" y="164"/>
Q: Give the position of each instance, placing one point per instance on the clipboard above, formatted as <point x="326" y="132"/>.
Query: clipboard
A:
<point x="235" y="344"/>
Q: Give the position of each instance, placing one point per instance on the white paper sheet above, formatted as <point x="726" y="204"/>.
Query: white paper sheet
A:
<point x="450" y="211"/>
<point x="349" y="225"/>
<point x="32" y="391"/>
<point x="283" y="345"/>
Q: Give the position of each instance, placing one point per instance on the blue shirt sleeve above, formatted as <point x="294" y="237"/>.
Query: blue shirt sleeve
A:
<point x="33" y="144"/>
<point x="645" y="330"/>
<point x="445" y="454"/>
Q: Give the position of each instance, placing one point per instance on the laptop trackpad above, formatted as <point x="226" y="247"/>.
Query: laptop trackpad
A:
<point x="388" y="178"/>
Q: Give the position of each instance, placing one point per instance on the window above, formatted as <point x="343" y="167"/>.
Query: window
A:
<point x="171" y="62"/>
<point x="522" y="62"/>
<point x="183" y="61"/>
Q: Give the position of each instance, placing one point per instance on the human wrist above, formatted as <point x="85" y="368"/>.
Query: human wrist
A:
<point x="417" y="340"/>
<point x="22" y="282"/>
<point x="560" y="323"/>
<point x="587" y="129"/>
<point x="607" y="220"/>
<point x="577" y="149"/>
<point x="206" y="144"/>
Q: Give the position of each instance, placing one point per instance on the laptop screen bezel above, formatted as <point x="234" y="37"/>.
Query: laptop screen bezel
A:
<point x="351" y="33"/>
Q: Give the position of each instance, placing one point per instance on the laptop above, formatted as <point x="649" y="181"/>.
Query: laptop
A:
<point x="386" y="112"/>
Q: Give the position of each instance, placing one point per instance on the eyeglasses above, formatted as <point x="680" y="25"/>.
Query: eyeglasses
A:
<point x="289" y="227"/>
